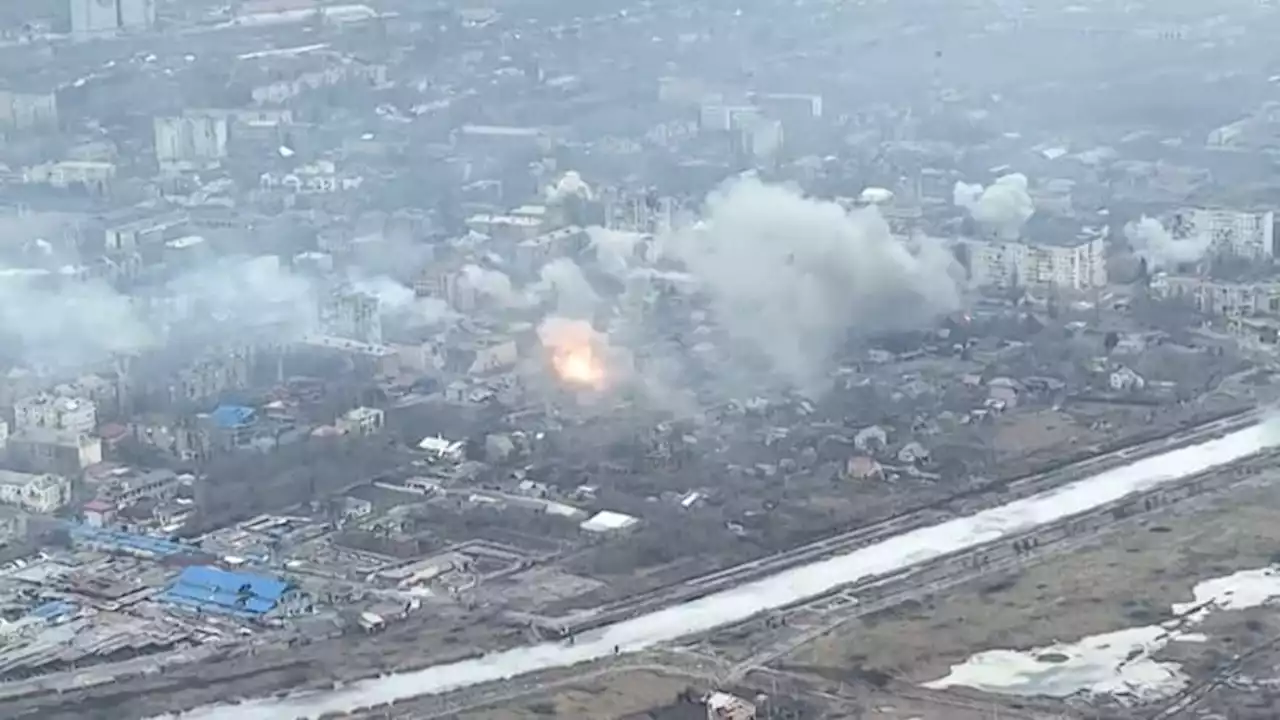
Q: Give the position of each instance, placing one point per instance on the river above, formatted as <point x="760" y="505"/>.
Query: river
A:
<point x="787" y="587"/>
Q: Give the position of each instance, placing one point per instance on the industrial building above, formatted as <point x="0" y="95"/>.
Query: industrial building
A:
<point x="210" y="589"/>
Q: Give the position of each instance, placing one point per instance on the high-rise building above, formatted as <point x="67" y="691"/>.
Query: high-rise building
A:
<point x="192" y="140"/>
<point x="1080" y="265"/>
<point x="1229" y="232"/>
<point x="353" y="315"/>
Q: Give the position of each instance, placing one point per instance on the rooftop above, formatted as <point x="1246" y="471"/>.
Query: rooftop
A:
<point x="205" y="587"/>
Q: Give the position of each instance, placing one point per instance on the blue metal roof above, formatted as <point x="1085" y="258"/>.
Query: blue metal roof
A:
<point x="128" y="541"/>
<point x="229" y="417"/>
<point x="216" y="590"/>
<point x="53" y="609"/>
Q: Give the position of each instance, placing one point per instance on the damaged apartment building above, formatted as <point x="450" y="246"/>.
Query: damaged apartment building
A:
<point x="53" y="434"/>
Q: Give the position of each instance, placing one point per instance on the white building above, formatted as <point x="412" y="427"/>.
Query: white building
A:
<point x="1231" y="232"/>
<point x="94" y="176"/>
<point x="361" y="421"/>
<point x="1126" y="380"/>
<point x="723" y="706"/>
<point x="191" y="141"/>
<point x="41" y="493"/>
<point x="76" y="415"/>
<point x="1000" y="264"/>
<point x="608" y="521"/>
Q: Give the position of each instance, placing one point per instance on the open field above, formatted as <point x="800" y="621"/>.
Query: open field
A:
<point x="610" y="696"/>
<point x="1128" y="579"/>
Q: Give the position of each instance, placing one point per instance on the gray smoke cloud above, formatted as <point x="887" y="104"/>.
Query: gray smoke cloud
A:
<point x="398" y="302"/>
<point x="493" y="284"/>
<point x="1003" y="208"/>
<point x="791" y="276"/>
<point x="615" y="250"/>
<point x="56" y="320"/>
<point x="1153" y="243"/>
<point x="574" y="297"/>
<point x="49" y="321"/>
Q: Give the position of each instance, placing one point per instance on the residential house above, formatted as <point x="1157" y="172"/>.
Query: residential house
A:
<point x="40" y="493"/>
<point x="1004" y="392"/>
<point x="871" y="440"/>
<point x="861" y="467"/>
<point x="361" y="421"/>
<point x="1126" y="380"/>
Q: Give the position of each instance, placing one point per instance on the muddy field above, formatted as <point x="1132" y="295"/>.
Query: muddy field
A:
<point x="1129" y="578"/>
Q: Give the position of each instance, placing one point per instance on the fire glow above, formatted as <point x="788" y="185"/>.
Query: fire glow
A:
<point x="576" y="352"/>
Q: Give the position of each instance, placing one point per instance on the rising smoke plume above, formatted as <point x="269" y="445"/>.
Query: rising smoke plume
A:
<point x="615" y="250"/>
<point x="573" y="294"/>
<point x="570" y="184"/>
<point x="492" y="284"/>
<point x="1002" y="208"/>
<point x="47" y="323"/>
<point x="57" y="322"/>
<point x="790" y="277"/>
<point x="400" y="303"/>
<point x="1152" y="242"/>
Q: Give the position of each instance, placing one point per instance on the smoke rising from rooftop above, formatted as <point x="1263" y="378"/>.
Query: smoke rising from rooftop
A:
<point x="1002" y="208"/>
<point x="573" y="294"/>
<point x="790" y="276"/>
<point x="1153" y="243"/>
<point x="570" y="184"/>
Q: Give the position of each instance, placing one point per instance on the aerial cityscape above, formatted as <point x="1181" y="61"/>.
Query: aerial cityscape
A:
<point x="639" y="360"/>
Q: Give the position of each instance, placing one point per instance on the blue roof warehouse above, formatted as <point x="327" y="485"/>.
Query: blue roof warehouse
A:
<point x="211" y="589"/>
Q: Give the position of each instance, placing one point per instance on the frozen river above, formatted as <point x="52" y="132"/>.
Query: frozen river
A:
<point x="787" y="587"/>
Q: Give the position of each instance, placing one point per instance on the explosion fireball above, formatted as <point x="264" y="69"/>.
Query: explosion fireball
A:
<point x="576" y="352"/>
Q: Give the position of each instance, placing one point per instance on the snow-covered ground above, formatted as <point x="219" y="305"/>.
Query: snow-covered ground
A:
<point x="787" y="587"/>
<point x="1118" y="664"/>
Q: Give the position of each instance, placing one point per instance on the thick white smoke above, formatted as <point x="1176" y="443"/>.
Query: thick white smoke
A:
<point x="492" y="284"/>
<point x="573" y="293"/>
<point x="570" y="184"/>
<point x="52" y="321"/>
<point x="792" y="276"/>
<point x="615" y="250"/>
<point x="1002" y="208"/>
<point x="399" y="302"/>
<point x="45" y="323"/>
<point x="1153" y="243"/>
